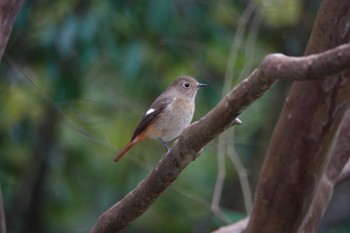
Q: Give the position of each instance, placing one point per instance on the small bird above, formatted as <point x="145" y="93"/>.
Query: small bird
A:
<point x="168" y="115"/>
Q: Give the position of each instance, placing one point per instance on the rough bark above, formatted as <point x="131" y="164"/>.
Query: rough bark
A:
<point x="198" y="134"/>
<point x="303" y="137"/>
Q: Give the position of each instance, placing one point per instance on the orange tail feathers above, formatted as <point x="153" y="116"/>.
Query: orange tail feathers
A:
<point x="125" y="149"/>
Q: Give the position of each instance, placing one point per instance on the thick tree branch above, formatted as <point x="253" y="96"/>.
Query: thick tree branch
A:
<point x="313" y="67"/>
<point x="200" y="133"/>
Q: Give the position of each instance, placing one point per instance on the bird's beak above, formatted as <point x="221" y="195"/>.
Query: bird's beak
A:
<point x="201" y="85"/>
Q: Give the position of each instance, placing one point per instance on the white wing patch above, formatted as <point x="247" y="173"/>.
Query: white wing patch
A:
<point x="149" y="111"/>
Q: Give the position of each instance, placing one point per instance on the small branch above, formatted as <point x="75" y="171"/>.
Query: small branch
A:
<point x="238" y="227"/>
<point x="201" y="132"/>
<point x="339" y="162"/>
<point x="223" y="142"/>
<point x="345" y="173"/>
<point x="335" y="170"/>
<point x="249" y="48"/>
<point x="219" y="183"/>
<point x="242" y="174"/>
<point x="236" y="44"/>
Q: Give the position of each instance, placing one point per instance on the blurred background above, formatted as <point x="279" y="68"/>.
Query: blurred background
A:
<point x="78" y="75"/>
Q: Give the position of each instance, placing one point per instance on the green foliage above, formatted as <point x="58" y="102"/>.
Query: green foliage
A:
<point x="339" y="229"/>
<point x="100" y="64"/>
<point x="291" y="12"/>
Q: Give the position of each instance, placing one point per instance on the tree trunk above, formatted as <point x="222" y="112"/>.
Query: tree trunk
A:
<point x="304" y="136"/>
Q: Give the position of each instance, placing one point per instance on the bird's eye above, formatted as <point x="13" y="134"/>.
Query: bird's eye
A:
<point x="186" y="85"/>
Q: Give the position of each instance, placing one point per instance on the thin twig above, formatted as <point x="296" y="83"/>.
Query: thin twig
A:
<point x="231" y="151"/>
<point x="249" y="48"/>
<point x="220" y="177"/>
<point x="236" y="44"/>
<point x="242" y="173"/>
<point x="222" y="141"/>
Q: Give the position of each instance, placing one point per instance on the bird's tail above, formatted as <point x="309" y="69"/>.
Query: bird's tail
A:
<point x="125" y="149"/>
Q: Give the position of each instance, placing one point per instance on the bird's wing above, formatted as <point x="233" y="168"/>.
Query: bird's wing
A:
<point x="153" y="112"/>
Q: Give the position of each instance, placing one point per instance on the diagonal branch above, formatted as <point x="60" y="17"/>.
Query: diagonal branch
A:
<point x="339" y="158"/>
<point x="345" y="173"/>
<point x="200" y="133"/>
